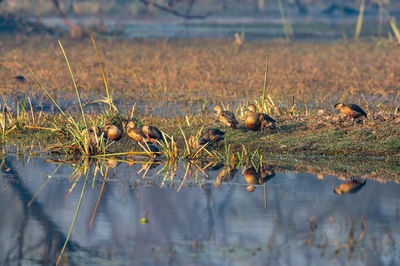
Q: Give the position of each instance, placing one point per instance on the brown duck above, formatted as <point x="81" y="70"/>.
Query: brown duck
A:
<point x="256" y="121"/>
<point x="225" y="117"/>
<point x="94" y="133"/>
<point x="112" y="132"/>
<point x="212" y="135"/>
<point x="351" y="110"/>
<point x="135" y="132"/>
<point x="352" y="186"/>
<point x="153" y="134"/>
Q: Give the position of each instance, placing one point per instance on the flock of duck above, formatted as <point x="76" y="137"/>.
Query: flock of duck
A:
<point x="255" y="121"/>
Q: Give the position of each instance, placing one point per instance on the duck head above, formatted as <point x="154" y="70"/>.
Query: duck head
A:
<point x="338" y="106"/>
<point x="131" y="124"/>
<point x="217" y="109"/>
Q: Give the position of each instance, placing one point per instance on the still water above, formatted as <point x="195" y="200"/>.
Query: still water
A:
<point x="156" y="218"/>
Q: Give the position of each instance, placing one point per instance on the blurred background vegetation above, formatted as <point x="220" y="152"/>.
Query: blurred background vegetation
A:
<point x="155" y="8"/>
<point x="113" y="15"/>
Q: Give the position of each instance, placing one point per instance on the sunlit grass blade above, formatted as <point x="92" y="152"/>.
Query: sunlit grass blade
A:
<point x="47" y="92"/>
<point x="125" y="153"/>
<point x="395" y="29"/>
<point x="102" y="72"/>
<point x="77" y="94"/>
<point x="359" y="20"/>
<point x="265" y="82"/>
<point x="43" y="128"/>
<point x="186" y="143"/>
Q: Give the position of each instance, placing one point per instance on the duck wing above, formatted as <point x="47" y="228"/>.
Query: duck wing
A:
<point x="152" y="133"/>
<point x="136" y="133"/>
<point x="228" y="119"/>
<point x="357" y="108"/>
<point x="214" y="135"/>
<point x="266" y="117"/>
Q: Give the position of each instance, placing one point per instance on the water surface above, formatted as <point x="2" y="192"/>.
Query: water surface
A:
<point x="301" y="222"/>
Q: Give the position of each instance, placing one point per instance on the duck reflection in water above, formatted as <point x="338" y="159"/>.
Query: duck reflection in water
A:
<point x="112" y="161"/>
<point x="225" y="175"/>
<point x="149" y="165"/>
<point x="254" y="177"/>
<point x="352" y="186"/>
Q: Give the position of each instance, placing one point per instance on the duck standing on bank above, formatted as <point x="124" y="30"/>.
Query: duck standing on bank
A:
<point x="351" y="110"/>
<point x="212" y="135"/>
<point x="93" y="133"/>
<point x="153" y="134"/>
<point x="225" y="117"/>
<point x="256" y="121"/>
<point x="112" y="132"/>
<point x="135" y="132"/>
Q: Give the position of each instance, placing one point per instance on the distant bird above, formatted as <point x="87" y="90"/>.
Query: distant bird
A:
<point x="112" y="132"/>
<point x="225" y="117"/>
<point x="256" y="121"/>
<point x="135" y="132"/>
<point x="352" y="186"/>
<point x="20" y="78"/>
<point x="153" y="134"/>
<point x="351" y="110"/>
<point x="212" y="135"/>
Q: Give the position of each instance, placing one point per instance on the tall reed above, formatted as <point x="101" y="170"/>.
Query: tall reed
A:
<point x="104" y="75"/>
<point x="395" y="29"/>
<point x="265" y="82"/>
<point x="287" y="27"/>
<point x="86" y="146"/>
<point x="359" y="20"/>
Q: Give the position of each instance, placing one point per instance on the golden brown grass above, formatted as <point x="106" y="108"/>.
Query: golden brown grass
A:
<point x="168" y="75"/>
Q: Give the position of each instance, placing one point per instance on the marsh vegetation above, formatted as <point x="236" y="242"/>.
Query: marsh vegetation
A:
<point x="111" y="119"/>
<point x="154" y="83"/>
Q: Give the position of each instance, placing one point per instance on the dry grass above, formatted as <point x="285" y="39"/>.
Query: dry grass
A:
<point x="169" y="77"/>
